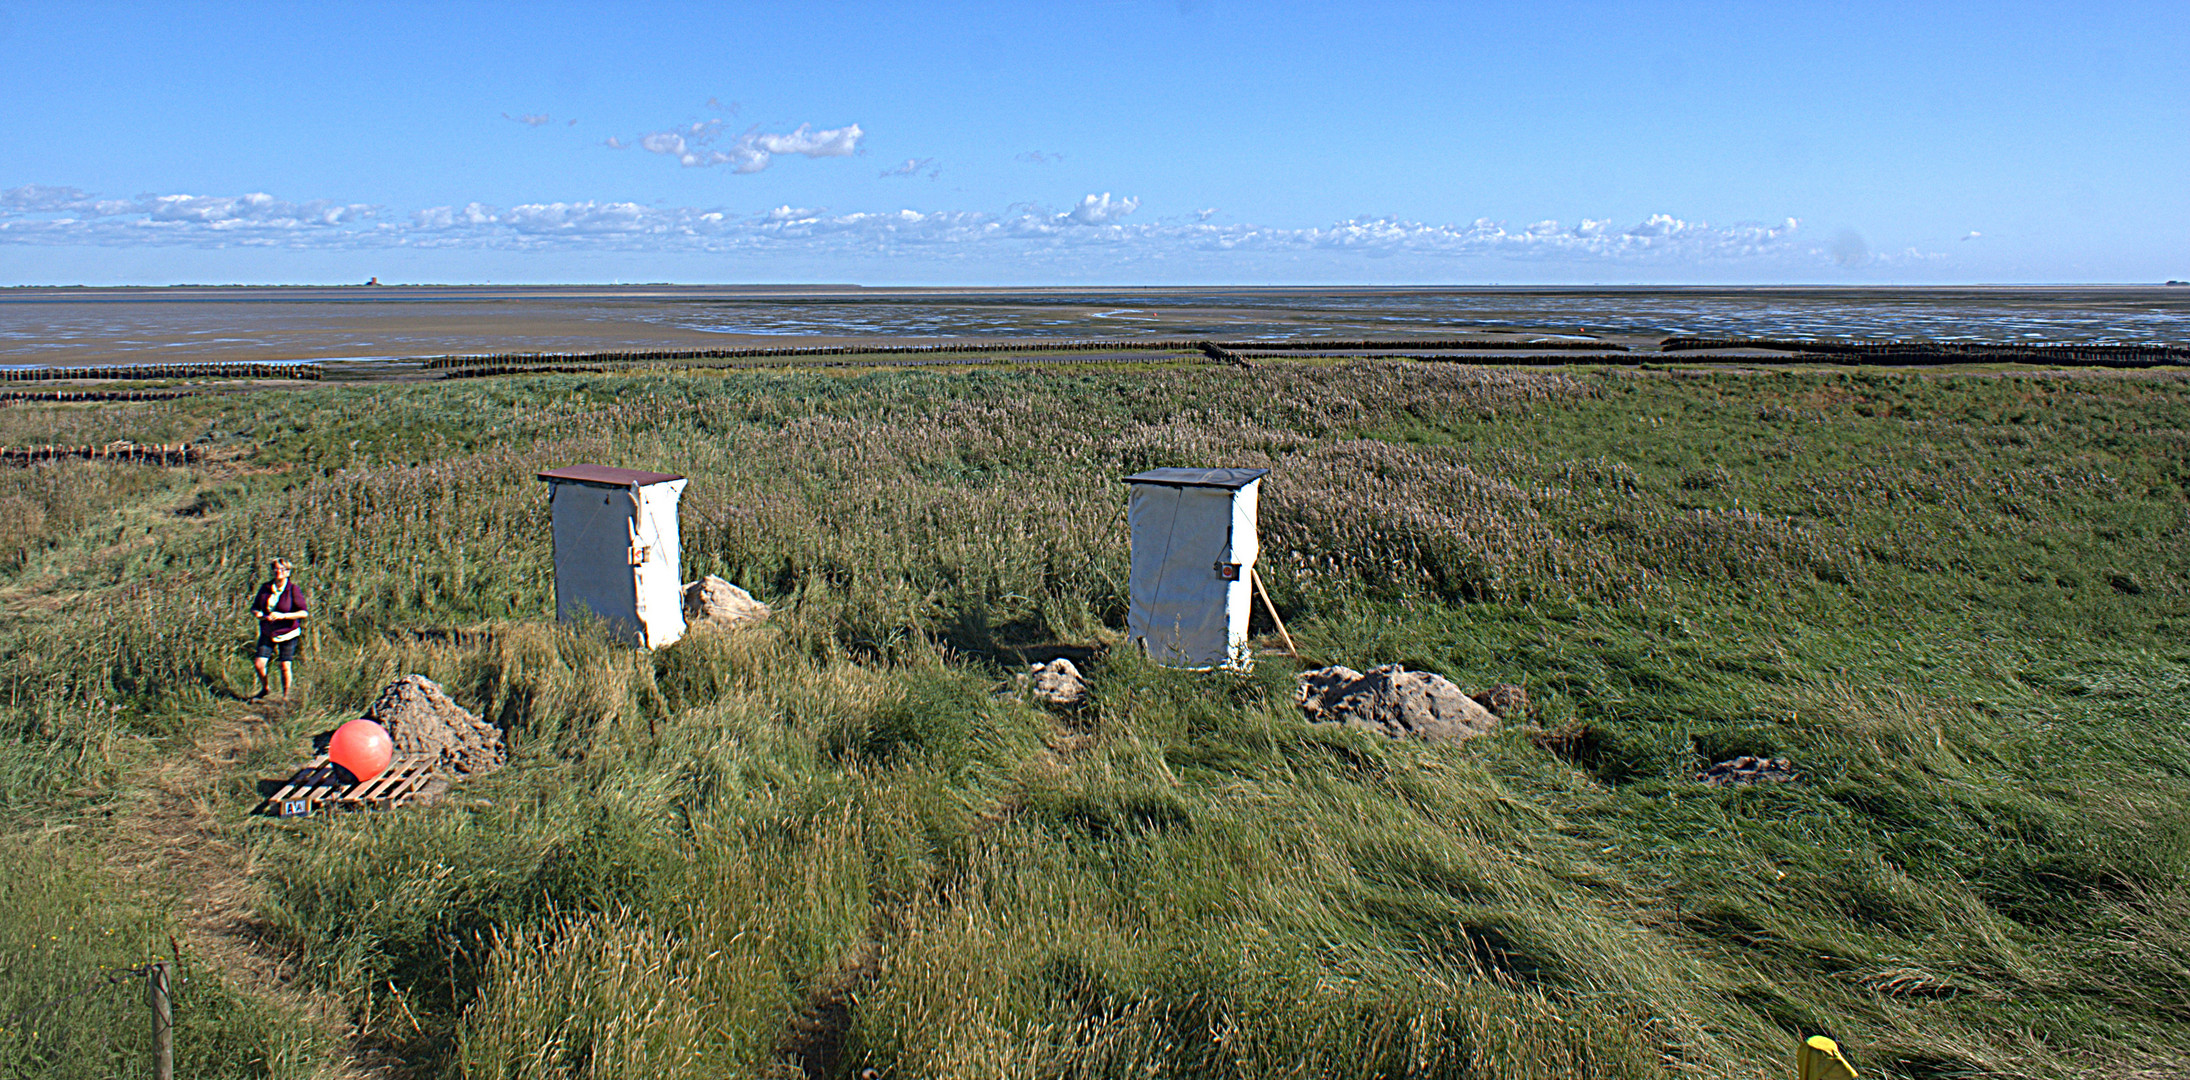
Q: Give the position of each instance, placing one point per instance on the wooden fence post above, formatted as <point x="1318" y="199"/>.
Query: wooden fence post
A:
<point x="163" y="1023"/>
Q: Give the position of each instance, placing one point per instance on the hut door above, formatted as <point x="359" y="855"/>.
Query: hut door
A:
<point x="592" y="555"/>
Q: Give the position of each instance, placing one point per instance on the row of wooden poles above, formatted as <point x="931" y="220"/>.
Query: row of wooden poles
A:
<point x="596" y="367"/>
<point x="1963" y="349"/>
<point x="134" y="453"/>
<point x="1111" y="345"/>
<point x="1557" y="359"/>
<point x="167" y="371"/>
<point x="34" y="396"/>
<point x="1237" y="352"/>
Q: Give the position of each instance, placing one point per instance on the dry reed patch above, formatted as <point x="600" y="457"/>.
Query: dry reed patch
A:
<point x="45" y="503"/>
<point x="1359" y="391"/>
<point x="25" y="423"/>
<point x="1412" y="520"/>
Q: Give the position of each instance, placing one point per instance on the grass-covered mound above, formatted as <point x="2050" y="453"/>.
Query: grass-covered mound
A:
<point x="1956" y="602"/>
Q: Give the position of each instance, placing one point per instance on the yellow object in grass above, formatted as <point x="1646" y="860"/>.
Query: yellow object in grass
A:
<point x="1818" y="1058"/>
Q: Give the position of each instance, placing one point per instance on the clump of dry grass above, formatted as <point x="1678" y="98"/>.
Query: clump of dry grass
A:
<point x="32" y="424"/>
<point x="45" y="502"/>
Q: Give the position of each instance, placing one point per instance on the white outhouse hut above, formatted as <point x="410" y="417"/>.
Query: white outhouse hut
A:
<point x="1194" y="549"/>
<point x="617" y="550"/>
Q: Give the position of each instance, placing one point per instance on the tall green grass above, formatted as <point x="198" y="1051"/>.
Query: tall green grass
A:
<point x="843" y="841"/>
<point x="73" y="1000"/>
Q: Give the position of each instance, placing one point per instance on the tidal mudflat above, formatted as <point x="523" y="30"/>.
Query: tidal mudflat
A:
<point x="79" y="327"/>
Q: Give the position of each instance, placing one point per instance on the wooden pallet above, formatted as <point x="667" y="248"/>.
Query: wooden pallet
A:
<point x="322" y="786"/>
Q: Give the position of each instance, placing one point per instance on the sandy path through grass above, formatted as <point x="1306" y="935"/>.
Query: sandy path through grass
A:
<point x="183" y="844"/>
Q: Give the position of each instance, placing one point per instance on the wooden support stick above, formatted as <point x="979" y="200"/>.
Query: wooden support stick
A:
<point x="163" y="1023"/>
<point x="1272" y="609"/>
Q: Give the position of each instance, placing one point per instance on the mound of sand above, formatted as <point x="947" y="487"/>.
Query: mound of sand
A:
<point x="1391" y="700"/>
<point x="1055" y="683"/>
<point x="713" y="601"/>
<point x="422" y="719"/>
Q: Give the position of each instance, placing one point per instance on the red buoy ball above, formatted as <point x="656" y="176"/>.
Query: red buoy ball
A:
<point x="363" y="747"/>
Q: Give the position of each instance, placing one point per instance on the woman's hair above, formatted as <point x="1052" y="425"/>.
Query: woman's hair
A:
<point x="280" y="563"/>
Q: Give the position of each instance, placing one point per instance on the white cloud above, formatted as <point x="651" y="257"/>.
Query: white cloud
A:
<point x="253" y="210"/>
<point x="1205" y="213"/>
<point x="445" y="217"/>
<point x="531" y="119"/>
<point x="789" y="213"/>
<point x="1908" y="256"/>
<point x="1659" y="225"/>
<point x="663" y="142"/>
<point x="1097" y="229"/>
<point x="44" y="199"/>
<point x="693" y="145"/>
<point x="912" y="167"/>
<point x="837" y="142"/>
<point x="1036" y="157"/>
<point x="1099" y="210"/>
<point x="70" y="215"/>
<point x="1660" y="236"/>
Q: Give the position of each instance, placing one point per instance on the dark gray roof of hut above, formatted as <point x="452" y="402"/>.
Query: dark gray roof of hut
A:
<point x="607" y="475"/>
<point x="1229" y="479"/>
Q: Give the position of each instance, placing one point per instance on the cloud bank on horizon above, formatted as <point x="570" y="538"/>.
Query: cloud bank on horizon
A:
<point x="1098" y="224"/>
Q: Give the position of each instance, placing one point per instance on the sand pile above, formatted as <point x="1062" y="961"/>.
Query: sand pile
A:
<point x="422" y="719"/>
<point x="717" y="603"/>
<point x="1391" y="700"/>
<point x="1055" y="683"/>
<point x="713" y="601"/>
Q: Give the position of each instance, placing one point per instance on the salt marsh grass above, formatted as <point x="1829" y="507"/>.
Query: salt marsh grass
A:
<point x="841" y="841"/>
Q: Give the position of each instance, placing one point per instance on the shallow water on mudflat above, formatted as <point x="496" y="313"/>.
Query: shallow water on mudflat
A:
<point x="104" y="326"/>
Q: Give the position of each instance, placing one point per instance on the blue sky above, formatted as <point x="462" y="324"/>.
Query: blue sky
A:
<point x="1180" y="141"/>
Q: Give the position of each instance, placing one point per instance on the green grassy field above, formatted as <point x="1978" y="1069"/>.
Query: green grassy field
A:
<point x="1956" y="601"/>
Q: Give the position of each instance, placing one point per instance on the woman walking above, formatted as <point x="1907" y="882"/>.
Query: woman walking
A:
<point x="281" y="610"/>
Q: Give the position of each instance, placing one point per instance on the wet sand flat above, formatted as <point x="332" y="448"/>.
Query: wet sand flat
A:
<point x="82" y="326"/>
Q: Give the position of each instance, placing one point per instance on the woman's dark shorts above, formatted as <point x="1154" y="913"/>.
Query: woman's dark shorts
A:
<point x="287" y="649"/>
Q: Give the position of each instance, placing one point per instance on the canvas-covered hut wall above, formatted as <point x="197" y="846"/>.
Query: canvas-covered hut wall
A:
<point x="1194" y="548"/>
<point x="617" y="550"/>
